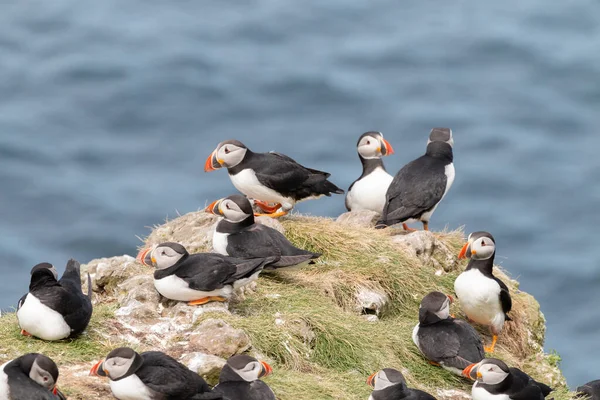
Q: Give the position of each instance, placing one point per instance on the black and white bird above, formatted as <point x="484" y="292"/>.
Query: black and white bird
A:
<point x="389" y="384"/>
<point x="419" y="187"/>
<point x="496" y="381"/>
<point x="151" y="375"/>
<point x="55" y="309"/>
<point x="237" y="235"/>
<point x="368" y="191"/>
<point x="590" y="391"/>
<point x="199" y="278"/>
<point x="240" y="379"/>
<point x="270" y="177"/>
<point x="484" y="298"/>
<point x="32" y="376"/>
<point x="450" y="343"/>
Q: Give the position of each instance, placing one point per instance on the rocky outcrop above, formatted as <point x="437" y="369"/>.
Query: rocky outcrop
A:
<point x="335" y="321"/>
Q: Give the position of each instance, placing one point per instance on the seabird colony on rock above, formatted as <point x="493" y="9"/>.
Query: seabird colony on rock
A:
<point x="56" y="309"/>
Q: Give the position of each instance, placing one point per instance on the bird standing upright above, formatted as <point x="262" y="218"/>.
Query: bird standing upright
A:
<point x="419" y="187"/>
<point x="368" y="191"/>
<point x="483" y="297"/>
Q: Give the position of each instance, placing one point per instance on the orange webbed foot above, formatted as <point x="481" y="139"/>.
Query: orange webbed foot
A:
<point x="266" y="207"/>
<point x="25" y="333"/>
<point x="407" y="229"/>
<point x="272" y="215"/>
<point x="205" y="300"/>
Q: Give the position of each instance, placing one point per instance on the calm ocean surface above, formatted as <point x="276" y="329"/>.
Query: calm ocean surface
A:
<point x="109" y="109"/>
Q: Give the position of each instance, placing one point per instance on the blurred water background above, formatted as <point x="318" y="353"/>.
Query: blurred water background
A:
<point x="109" y="109"/>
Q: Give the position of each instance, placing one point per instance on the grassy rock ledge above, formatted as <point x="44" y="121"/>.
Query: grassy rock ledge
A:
<point x="324" y="328"/>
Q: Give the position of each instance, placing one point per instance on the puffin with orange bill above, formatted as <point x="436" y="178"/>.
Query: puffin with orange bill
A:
<point x="237" y="235"/>
<point x="368" y="191"/>
<point x="420" y="186"/>
<point x="444" y="340"/>
<point x="389" y="384"/>
<point x="240" y="379"/>
<point x="496" y="381"/>
<point x="269" y="177"/>
<point x="32" y="376"/>
<point x="199" y="278"/>
<point x="484" y="298"/>
<point x="55" y="308"/>
<point x="151" y="375"/>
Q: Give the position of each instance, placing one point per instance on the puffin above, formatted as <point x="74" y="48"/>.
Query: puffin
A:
<point x="484" y="298"/>
<point x="368" y="191"/>
<point x="151" y="375"/>
<point x="237" y="235"/>
<point x="389" y="384"/>
<point x="32" y="376"/>
<point x="270" y="177"/>
<point x="590" y="391"/>
<point x="199" y="278"/>
<point x="55" y="309"/>
<point x="240" y="379"/>
<point x="495" y="380"/>
<point x="450" y="343"/>
<point x="419" y="186"/>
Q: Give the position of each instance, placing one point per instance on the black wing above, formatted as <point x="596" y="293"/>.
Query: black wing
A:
<point x="284" y="175"/>
<point x="262" y="241"/>
<point x="530" y="392"/>
<point x="71" y="278"/>
<point x="526" y="380"/>
<point x="471" y="345"/>
<point x="165" y="375"/>
<point x="257" y="390"/>
<point x="415" y="189"/>
<point x="504" y="297"/>
<point x="208" y="271"/>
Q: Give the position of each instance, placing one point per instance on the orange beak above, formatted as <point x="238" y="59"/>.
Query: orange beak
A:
<point x="371" y="379"/>
<point x="463" y="251"/>
<point x="389" y="150"/>
<point x="55" y="390"/>
<point x="97" y="369"/>
<point x="141" y="257"/>
<point x="212" y="163"/>
<point x="467" y="371"/>
<point x="213" y="208"/>
<point x="266" y="370"/>
<point x="450" y="298"/>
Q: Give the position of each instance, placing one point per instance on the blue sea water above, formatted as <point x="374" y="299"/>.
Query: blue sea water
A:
<point x="109" y="109"/>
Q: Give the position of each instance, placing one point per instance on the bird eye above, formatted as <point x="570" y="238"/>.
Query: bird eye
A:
<point x="368" y="142"/>
<point x="483" y="243"/>
<point x="164" y="253"/>
<point x="45" y="379"/>
<point x="227" y="206"/>
<point x="226" y="150"/>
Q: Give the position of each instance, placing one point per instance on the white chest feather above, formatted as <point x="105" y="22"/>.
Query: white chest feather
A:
<point x="246" y="182"/>
<point x="4" y="389"/>
<point x="174" y="288"/>
<point x="478" y="393"/>
<point x="220" y="242"/>
<point x="369" y="192"/>
<point x="130" y="388"/>
<point x="450" y="173"/>
<point x="480" y="298"/>
<point x="415" y="338"/>
<point x="42" y="321"/>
